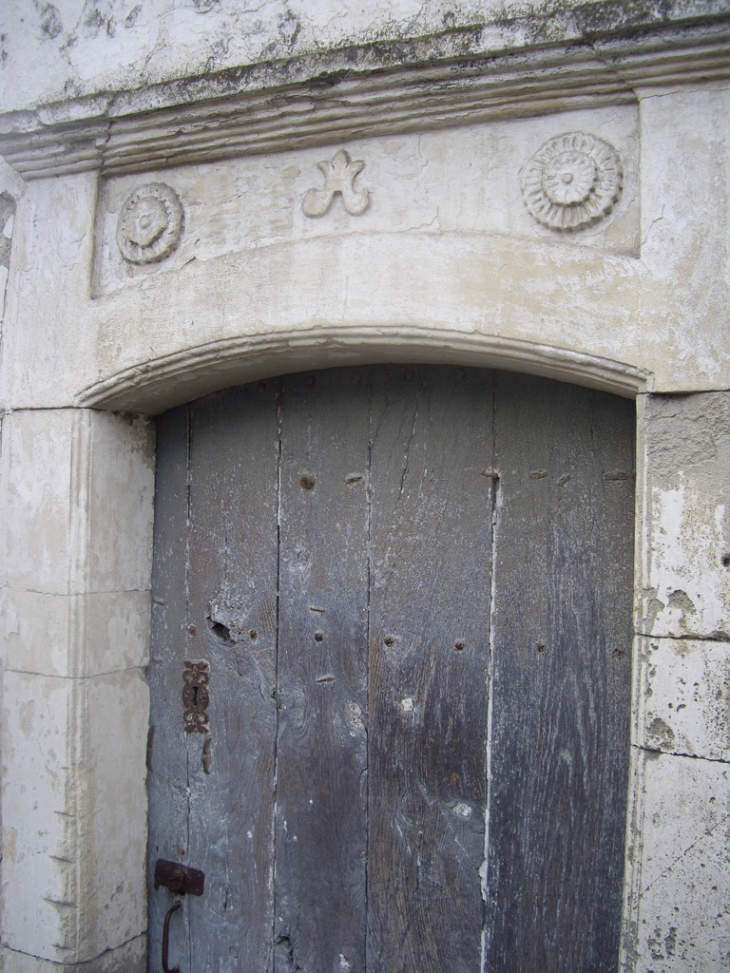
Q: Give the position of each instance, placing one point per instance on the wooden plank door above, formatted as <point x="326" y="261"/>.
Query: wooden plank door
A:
<point x="410" y="590"/>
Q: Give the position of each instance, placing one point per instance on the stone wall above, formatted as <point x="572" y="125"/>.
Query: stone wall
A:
<point x="430" y="251"/>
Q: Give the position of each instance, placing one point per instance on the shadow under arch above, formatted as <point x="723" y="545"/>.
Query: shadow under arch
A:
<point x="153" y="386"/>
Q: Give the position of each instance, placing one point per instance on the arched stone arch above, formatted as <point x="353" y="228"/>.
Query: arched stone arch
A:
<point x="155" y="385"/>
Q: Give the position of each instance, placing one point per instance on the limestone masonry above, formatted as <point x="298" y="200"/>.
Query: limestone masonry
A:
<point x="199" y="193"/>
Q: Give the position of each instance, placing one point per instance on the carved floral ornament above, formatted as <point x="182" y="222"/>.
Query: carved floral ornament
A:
<point x="339" y="177"/>
<point x="572" y="181"/>
<point x="150" y="223"/>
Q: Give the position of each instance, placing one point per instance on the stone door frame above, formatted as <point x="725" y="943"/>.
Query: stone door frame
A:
<point x="77" y="463"/>
<point x="100" y="684"/>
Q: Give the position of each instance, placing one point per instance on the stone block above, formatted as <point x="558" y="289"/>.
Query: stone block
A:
<point x="684" y="872"/>
<point x="129" y="958"/>
<point x="74" y="635"/>
<point x="77" y="498"/>
<point x="74" y="813"/>
<point x="44" y="338"/>
<point x="684" y="697"/>
<point x="113" y="896"/>
<point x="686" y="536"/>
<point x="39" y="880"/>
<point x="238" y="205"/>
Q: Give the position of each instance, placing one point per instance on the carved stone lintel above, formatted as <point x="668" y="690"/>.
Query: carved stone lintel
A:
<point x="339" y="177"/>
<point x="150" y="223"/>
<point x="572" y="181"/>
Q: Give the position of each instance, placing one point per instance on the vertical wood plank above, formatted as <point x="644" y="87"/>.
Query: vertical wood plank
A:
<point x="430" y="595"/>
<point x="562" y="640"/>
<point x="232" y="624"/>
<point x="167" y="778"/>
<point x="562" y="645"/>
<point x="322" y="686"/>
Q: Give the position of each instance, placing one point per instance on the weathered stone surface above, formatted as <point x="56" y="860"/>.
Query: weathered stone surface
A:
<point x="527" y="58"/>
<point x="50" y="273"/>
<point x="129" y="958"/>
<point x="685" y="868"/>
<point x="461" y="181"/>
<point x="74" y="816"/>
<point x="444" y="248"/>
<point x="685" y="216"/>
<point x="684" y="697"/>
<point x="39" y="894"/>
<point x="445" y="105"/>
<point x="74" y="635"/>
<point x="85" y="524"/>
<point x="76" y="497"/>
<point x="54" y="52"/>
<point x="686" y="543"/>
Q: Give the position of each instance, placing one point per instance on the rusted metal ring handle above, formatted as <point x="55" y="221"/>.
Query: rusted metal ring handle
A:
<point x="166" y="940"/>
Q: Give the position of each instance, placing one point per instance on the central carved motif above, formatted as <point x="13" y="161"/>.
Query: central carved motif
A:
<point x="339" y="177"/>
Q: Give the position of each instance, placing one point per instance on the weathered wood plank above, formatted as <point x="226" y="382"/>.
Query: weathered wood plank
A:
<point x="167" y="778"/>
<point x="430" y="593"/>
<point x="232" y="585"/>
<point x="562" y="641"/>
<point x="322" y="666"/>
<point x="410" y="799"/>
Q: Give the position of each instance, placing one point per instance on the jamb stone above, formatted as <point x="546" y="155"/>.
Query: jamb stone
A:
<point x="684" y="874"/>
<point x="684" y="697"/>
<point x="76" y="497"/>
<point x="40" y="814"/>
<point x="129" y="958"/>
<point x="686" y="587"/>
<point x="74" y="635"/>
<point x="74" y="813"/>
<point x="78" y="488"/>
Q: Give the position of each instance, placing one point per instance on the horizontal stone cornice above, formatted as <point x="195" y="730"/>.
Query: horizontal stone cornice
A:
<point x="592" y="55"/>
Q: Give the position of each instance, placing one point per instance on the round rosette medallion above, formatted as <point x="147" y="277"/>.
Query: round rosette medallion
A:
<point x="150" y="223"/>
<point x="572" y="181"/>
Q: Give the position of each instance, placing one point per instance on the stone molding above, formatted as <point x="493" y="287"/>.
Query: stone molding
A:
<point x="597" y="54"/>
<point x="154" y="386"/>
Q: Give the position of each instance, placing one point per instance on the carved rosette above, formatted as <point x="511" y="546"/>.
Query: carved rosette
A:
<point x="572" y="181"/>
<point x="150" y="224"/>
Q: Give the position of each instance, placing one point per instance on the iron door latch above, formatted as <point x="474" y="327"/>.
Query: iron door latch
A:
<point x="182" y="880"/>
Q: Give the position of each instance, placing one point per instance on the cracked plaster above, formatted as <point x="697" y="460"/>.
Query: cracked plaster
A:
<point x="53" y="51"/>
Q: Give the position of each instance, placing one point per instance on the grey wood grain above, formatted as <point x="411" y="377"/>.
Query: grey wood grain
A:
<point x="321" y="834"/>
<point x="562" y="641"/>
<point x="429" y="604"/>
<point x="325" y="542"/>
<point x="167" y="778"/>
<point x="232" y="584"/>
